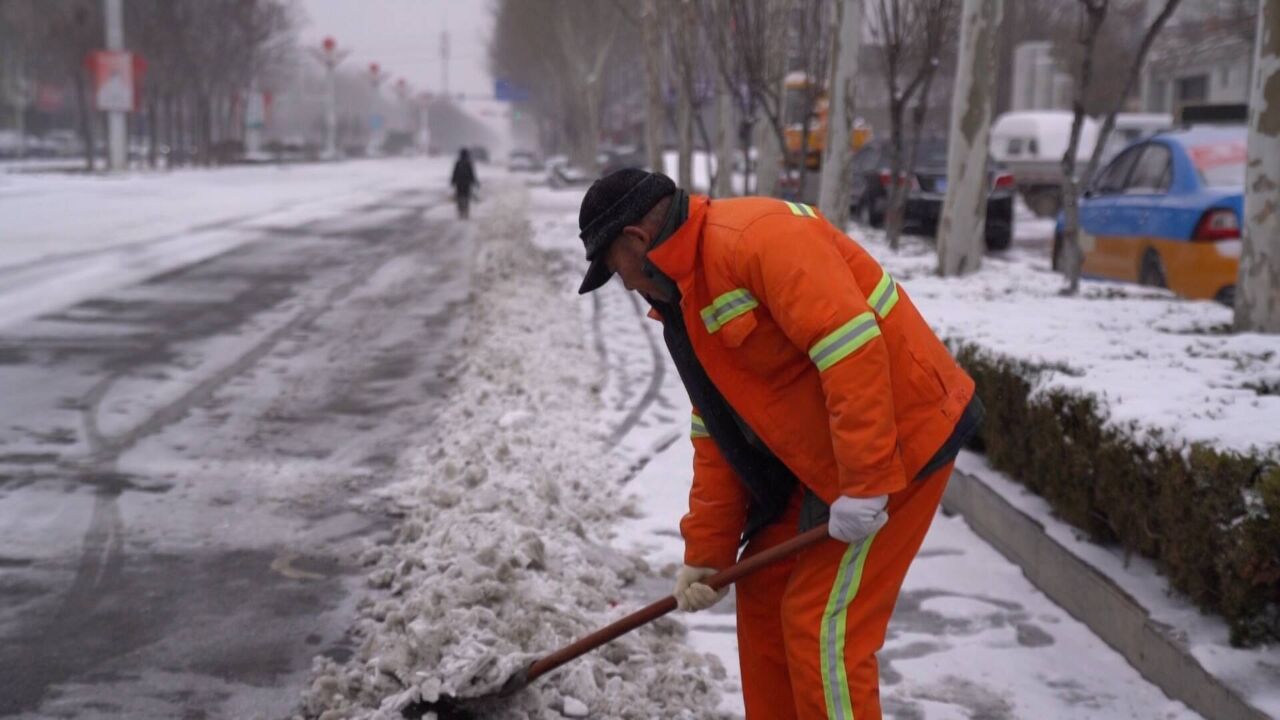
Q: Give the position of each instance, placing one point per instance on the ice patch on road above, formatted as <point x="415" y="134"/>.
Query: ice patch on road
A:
<point x="503" y="553"/>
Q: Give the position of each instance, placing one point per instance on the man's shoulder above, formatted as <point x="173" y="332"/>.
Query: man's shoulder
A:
<point x="735" y="215"/>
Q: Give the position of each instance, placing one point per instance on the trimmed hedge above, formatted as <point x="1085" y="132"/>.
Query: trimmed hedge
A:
<point x="1209" y="519"/>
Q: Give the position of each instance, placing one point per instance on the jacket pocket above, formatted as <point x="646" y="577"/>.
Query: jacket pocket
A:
<point x="734" y="332"/>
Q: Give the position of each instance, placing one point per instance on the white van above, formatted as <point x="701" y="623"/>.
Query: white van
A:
<point x="1031" y="143"/>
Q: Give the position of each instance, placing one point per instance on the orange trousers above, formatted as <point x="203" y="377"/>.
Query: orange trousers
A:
<point x="809" y="627"/>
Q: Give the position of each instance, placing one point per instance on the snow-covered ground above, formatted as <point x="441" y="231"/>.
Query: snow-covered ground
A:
<point x="1162" y="364"/>
<point x="67" y="237"/>
<point x="970" y="637"/>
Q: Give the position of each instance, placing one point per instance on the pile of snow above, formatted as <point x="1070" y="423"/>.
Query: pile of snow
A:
<point x="1159" y="365"/>
<point x="503" y="554"/>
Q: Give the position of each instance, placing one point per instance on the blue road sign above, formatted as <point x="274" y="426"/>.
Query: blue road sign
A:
<point x="506" y="91"/>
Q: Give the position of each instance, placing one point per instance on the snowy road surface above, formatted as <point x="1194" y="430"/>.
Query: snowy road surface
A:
<point x="186" y="462"/>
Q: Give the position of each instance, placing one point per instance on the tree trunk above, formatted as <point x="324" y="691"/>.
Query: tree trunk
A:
<point x="725" y="129"/>
<point x="684" y="132"/>
<point x="1131" y="81"/>
<point x="898" y="184"/>
<point x="1073" y="257"/>
<point x="962" y="230"/>
<point x="153" y="132"/>
<point x="86" y="119"/>
<point x="653" y="117"/>
<point x="1258" y="288"/>
<point x="833" y="198"/>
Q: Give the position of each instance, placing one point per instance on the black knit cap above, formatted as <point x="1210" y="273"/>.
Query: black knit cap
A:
<point x="612" y="203"/>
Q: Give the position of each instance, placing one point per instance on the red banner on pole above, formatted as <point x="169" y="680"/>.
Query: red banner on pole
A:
<point x="116" y="79"/>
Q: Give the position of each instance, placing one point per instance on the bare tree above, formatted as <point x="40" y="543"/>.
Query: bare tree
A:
<point x="1257" y="304"/>
<point x="685" y="68"/>
<point x="961" y="236"/>
<point x="726" y="125"/>
<point x="560" y="50"/>
<point x="654" y="115"/>
<point x="816" y="28"/>
<point x="1095" y="15"/>
<point x="836" y="164"/>
<point x="749" y="42"/>
<point x="912" y="35"/>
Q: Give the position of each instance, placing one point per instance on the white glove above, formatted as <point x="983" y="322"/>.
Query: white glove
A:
<point x="691" y="595"/>
<point x="855" y="518"/>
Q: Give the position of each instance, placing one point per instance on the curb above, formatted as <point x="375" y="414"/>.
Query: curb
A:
<point x="1093" y="599"/>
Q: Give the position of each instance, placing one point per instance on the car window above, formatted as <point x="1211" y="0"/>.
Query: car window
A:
<point x="1113" y="178"/>
<point x="1151" y="173"/>
<point x="1015" y="146"/>
<point x="1220" y="164"/>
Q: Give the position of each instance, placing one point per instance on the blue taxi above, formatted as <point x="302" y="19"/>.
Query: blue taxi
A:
<point x="1168" y="212"/>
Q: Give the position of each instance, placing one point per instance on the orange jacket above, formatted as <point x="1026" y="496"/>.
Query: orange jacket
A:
<point x="818" y="350"/>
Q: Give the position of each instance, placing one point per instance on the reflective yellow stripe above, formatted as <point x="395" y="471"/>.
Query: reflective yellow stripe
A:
<point x="833" y="632"/>
<point x="727" y="307"/>
<point x="801" y="209"/>
<point x="698" y="429"/>
<point x="885" y="296"/>
<point x="844" y="341"/>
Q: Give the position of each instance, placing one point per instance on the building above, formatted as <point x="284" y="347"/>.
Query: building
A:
<point x="1204" y="55"/>
<point x="1038" y="82"/>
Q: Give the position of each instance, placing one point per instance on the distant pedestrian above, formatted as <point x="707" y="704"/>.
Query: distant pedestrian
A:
<point x="463" y="181"/>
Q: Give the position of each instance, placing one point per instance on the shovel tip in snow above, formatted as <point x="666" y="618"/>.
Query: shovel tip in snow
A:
<point x="466" y="708"/>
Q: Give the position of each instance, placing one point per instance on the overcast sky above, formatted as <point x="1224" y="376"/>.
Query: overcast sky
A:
<point x="403" y="36"/>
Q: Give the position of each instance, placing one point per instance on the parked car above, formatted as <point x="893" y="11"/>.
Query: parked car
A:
<point x="479" y="153"/>
<point x="523" y="161"/>
<point x="1166" y="212"/>
<point x="927" y="187"/>
<point x="561" y="174"/>
<point x="623" y="156"/>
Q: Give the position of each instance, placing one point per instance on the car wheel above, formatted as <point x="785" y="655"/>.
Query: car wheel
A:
<point x="868" y="216"/>
<point x="1151" y="271"/>
<point x="1000" y="239"/>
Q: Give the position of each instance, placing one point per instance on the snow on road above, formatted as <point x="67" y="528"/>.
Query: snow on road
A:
<point x="503" y="553"/>
<point x="971" y="637"/>
<point x="64" y="238"/>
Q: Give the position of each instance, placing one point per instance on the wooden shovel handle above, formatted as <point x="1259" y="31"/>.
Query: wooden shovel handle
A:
<point x="652" y="612"/>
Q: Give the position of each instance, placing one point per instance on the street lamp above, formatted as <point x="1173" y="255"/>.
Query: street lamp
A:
<point x="330" y="56"/>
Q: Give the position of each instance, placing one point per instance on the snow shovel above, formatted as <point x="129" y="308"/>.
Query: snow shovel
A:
<point x="450" y="708"/>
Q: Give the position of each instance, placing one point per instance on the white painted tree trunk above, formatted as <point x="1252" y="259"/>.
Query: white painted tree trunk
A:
<point x="833" y="193"/>
<point x="961" y="233"/>
<point x="1258" y="288"/>
<point x="654" y="120"/>
<point x="726" y="138"/>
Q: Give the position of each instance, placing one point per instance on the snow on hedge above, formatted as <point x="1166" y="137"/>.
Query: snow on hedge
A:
<point x="1160" y="365"/>
<point x="503" y="553"/>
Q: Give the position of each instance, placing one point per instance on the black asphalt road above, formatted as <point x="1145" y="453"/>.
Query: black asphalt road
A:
<point x="189" y="466"/>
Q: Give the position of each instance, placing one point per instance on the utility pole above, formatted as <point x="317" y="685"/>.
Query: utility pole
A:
<point x="1258" y="287"/>
<point x="444" y="62"/>
<point x="113" y="12"/>
<point x="962" y="231"/>
<point x="330" y="57"/>
<point x="833" y="193"/>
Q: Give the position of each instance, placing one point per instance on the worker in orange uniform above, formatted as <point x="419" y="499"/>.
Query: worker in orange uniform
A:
<point x="820" y="395"/>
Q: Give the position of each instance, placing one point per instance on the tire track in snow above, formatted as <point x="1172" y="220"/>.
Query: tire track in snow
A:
<point x="654" y="390"/>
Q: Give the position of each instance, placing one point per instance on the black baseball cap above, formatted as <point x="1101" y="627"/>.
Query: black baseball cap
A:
<point x="613" y="202"/>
